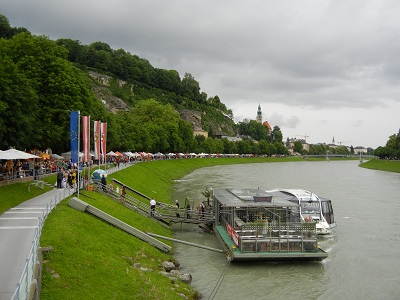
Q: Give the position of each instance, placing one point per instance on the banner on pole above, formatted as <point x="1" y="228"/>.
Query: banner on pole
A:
<point x="103" y="130"/>
<point x="97" y="133"/>
<point x="86" y="138"/>
<point x="74" y="135"/>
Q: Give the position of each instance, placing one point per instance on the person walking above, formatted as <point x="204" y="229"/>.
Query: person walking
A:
<point x="202" y="208"/>
<point x="123" y="194"/>
<point x="187" y="211"/>
<point x="177" y="209"/>
<point x="153" y="204"/>
<point x="104" y="183"/>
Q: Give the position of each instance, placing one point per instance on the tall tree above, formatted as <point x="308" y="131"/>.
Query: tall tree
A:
<point x="190" y="87"/>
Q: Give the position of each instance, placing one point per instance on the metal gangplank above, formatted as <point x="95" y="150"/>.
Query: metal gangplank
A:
<point x="165" y="214"/>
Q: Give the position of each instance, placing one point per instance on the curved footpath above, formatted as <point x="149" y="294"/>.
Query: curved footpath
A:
<point x="18" y="228"/>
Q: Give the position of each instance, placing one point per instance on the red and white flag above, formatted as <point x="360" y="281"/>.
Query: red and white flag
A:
<point x="103" y="140"/>
<point x="96" y="137"/>
<point x="86" y="137"/>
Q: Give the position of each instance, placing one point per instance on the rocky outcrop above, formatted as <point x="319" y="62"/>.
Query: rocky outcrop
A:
<point x="193" y="117"/>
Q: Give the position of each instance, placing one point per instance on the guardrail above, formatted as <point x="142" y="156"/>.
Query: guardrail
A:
<point x="29" y="279"/>
<point x="165" y="213"/>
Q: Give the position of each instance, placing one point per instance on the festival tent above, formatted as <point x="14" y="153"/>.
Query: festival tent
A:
<point x="67" y="155"/>
<point x="118" y="153"/>
<point x="16" y="154"/>
<point x="135" y="154"/>
<point x="159" y="154"/>
<point x="130" y="154"/>
<point x="56" y="156"/>
<point x="111" y="153"/>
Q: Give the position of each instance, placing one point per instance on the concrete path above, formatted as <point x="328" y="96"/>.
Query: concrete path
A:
<point x="17" y="232"/>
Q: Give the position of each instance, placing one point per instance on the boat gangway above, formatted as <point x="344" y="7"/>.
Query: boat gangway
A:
<point x="165" y="214"/>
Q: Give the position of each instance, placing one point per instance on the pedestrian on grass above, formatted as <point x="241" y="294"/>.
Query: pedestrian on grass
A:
<point x="153" y="204"/>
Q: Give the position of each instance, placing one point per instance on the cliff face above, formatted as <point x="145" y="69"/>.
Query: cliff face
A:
<point x="193" y="117"/>
<point x="220" y="125"/>
<point x="103" y="93"/>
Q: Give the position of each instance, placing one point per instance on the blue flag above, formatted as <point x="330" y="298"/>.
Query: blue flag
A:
<point x="74" y="135"/>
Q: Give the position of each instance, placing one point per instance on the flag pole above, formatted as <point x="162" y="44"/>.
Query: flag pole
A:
<point x="79" y="138"/>
<point x="90" y="156"/>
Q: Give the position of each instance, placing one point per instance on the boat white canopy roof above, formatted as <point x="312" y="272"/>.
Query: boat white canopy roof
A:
<point x="252" y="198"/>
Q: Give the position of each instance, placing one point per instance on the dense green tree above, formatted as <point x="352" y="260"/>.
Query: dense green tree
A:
<point x="277" y="134"/>
<point x="392" y="148"/>
<point x="158" y="127"/>
<point x="18" y="104"/>
<point x="6" y="31"/>
<point x="318" y="149"/>
<point x="280" y="148"/>
<point x="229" y="147"/>
<point x="190" y="87"/>
<point x="298" y="147"/>
<point x="254" y="129"/>
<point x="245" y="146"/>
<point x="342" y="150"/>
<point x="44" y="88"/>
<point x="167" y="80"/>
<point x="75" y="49"/>
<point x="208" y="146"/>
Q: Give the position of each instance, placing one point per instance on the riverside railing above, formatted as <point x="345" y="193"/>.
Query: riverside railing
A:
<point x="29" y="278"/>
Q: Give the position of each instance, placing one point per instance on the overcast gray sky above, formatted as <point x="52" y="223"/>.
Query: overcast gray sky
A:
<point x="318" y="68"/>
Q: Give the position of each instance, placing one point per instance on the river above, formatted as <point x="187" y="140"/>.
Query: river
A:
<point x="364" y="250"/>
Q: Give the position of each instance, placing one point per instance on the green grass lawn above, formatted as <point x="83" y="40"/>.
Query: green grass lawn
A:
<point x="382" y="164"/>
<point x="91" y="259"/>
<point x="14" y="194"/>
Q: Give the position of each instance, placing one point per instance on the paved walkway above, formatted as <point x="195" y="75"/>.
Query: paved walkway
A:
<point x="17" y="233"/>
<point x="18" y="226"/>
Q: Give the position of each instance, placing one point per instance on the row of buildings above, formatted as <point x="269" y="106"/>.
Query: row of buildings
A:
<point x="290" y="141"/>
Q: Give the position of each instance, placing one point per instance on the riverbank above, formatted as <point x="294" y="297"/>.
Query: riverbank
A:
<point x="91" y="259"/>
<point x="382" y="165"/>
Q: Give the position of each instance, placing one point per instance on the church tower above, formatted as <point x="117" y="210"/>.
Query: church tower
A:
<point x="259" y="114"/>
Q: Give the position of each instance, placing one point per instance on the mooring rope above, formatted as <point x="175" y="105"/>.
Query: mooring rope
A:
<point x="219" y="282"/>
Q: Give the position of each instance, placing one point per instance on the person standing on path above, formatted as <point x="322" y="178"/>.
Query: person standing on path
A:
<point x="60" y="176"/>
<point x="104" y="182"/>
<point x="153" y="204"/>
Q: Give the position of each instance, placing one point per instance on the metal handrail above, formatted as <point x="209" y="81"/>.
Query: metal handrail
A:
<point x="27" y="277"/>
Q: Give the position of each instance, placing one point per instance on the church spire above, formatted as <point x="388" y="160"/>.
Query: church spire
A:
<point x="259" y="114"/>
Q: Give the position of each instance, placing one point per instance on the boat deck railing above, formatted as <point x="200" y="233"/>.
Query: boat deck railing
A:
<point x="285" y="237"/>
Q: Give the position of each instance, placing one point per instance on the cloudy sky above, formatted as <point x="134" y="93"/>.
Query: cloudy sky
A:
<point x="318" y="68"/>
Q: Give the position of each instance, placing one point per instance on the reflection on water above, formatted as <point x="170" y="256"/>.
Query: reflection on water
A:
<point x="363" y="261"/>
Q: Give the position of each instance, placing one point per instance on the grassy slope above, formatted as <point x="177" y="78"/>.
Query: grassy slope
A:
<point x="95" y="261"/>
<point x="14" y="194"/>
<point x="91" y="259"/>
<point x="383" y="165"/>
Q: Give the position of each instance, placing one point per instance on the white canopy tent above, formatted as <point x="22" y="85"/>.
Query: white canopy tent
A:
<point x="56" y="156"/>
<point x="67" y="155"/>
<point x="111" y="153"/>
<point x="16" y="154"/>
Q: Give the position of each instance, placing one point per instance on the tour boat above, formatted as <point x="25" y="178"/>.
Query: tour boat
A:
<point x="260" y="225"/>
<point x="312" y="209"/>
